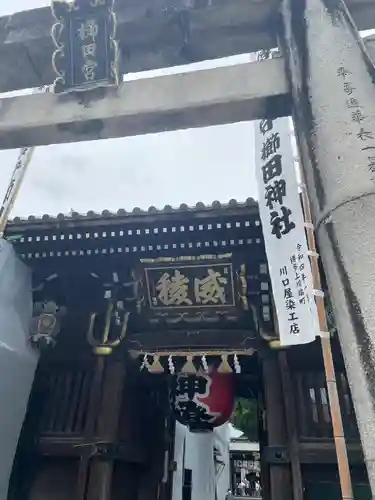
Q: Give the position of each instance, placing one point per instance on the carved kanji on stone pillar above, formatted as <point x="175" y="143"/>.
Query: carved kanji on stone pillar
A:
<point x="332" y="79"/>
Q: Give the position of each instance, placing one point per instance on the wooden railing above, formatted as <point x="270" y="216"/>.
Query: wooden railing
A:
<point x="314" y="419"/>
<point x="67" y="388"/>
<point x="66" y="393"/>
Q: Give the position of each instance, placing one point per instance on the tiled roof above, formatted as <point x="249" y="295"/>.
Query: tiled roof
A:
<point x="121" y="213"/>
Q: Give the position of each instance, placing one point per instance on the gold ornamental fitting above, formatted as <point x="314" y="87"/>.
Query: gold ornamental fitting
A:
<point x="104" y="347"/>
<point x="103" y="350"/>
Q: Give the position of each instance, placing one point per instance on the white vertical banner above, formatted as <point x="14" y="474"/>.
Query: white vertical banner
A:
<point x="203" y="468"/>
<point x="179" y="459"/>
<point x="284" y="232"/>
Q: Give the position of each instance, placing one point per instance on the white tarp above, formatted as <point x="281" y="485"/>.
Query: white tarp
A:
<point x="17" y="360"/>
<point x="284" y="232"/>
<point x="195" y="451"/>
<point x="200" y="454"/>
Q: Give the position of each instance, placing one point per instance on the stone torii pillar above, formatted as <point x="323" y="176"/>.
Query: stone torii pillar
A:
<point x="332" y="81"/>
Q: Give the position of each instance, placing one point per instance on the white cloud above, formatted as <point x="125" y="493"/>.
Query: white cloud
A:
<point x="172" y="168"/>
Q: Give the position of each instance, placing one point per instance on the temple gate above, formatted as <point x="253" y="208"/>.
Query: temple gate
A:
<point x="99" y="423"/>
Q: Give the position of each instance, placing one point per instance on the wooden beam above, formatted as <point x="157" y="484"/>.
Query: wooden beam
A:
<point x="291" y="424"/>
<point x="90" y="426"/>
<point x="101" y="472"/>
<point x="164" y="340"/>
<point x="59" y="446"/>
<point x="196" y="99"/>
<point x="317" y="453"/>
<point x="325" y="453"/>
<point x="150" y="35"/>
<point x="280" y="480"/>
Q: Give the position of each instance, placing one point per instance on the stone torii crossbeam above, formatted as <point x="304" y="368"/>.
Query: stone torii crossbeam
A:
<point x="153" y="34"/>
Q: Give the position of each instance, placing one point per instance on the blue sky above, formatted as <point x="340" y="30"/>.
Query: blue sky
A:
<point x="172" y="168"/>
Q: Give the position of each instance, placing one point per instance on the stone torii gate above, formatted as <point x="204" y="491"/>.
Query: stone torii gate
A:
<point x="326" y="80"/>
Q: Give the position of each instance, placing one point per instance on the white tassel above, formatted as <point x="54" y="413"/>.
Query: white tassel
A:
<point x="224" y="365"/>
<point x="237" y="366"/>
<point x="171" y="365"/>
<point x="156" y="366"/>
<point x="205" y="364"/>
<point x="145" y="363"/>
<point x="189" y="367"/>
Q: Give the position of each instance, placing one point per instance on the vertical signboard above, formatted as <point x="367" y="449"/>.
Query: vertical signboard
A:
<point x="86" y="52"/>
<point x="284" y="232"/>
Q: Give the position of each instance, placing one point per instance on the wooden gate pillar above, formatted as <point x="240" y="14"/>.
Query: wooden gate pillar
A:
<point x="100" y="473"/>
<point x="151" y="484"/>
<point x="279" y="471"/>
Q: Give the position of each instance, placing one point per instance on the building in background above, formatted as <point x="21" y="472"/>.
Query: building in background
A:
<point x="244" y="467"/>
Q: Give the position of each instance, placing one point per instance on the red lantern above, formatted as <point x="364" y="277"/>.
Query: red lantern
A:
<point x="204" y="401"/>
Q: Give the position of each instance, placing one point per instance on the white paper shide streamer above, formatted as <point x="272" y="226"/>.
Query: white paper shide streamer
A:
<point x="284" y="233"/>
